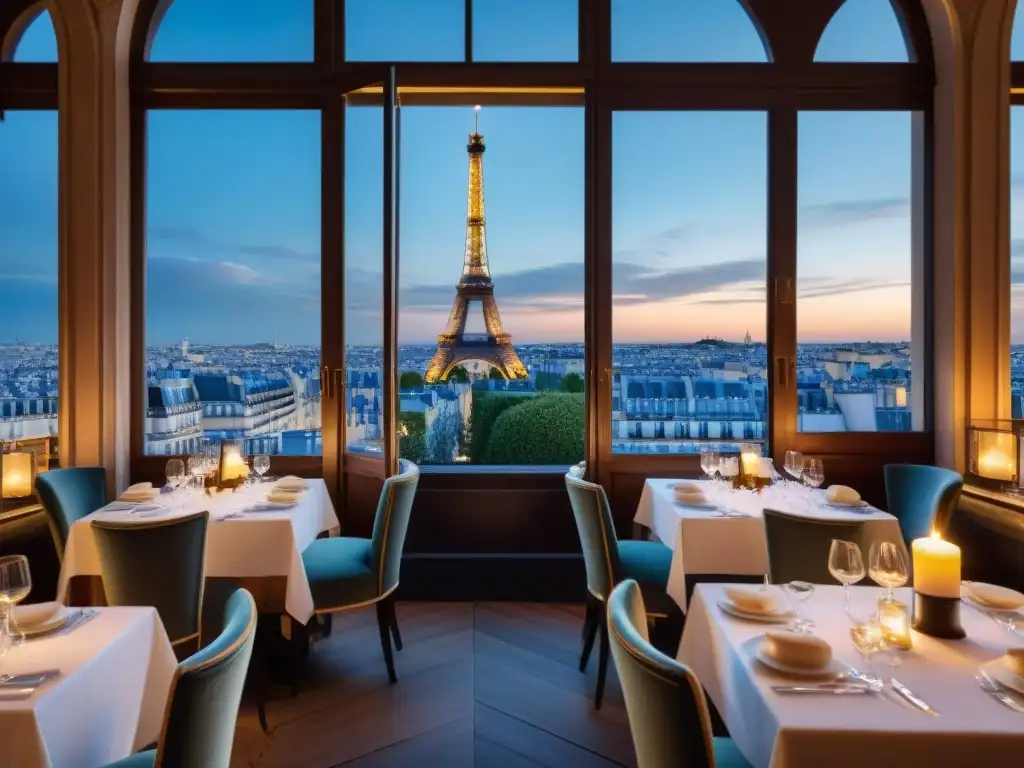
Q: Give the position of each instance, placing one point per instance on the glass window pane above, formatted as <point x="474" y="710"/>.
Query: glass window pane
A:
<point x="863" y="30"/>
<point x="405" y="30"/>
<point x="526" y="30"/>
<point x="856" y="252"/>
<point x="505" y="385"/>
<point x="28" y="288"/>
<point x="235" y="30"/>
<point x="1017" y="39"/>
<point x="233" y="280"/>
<point x="1017" y="260"/>
<point x="38" y="43"/>
<point x="689" y="320"/>
<point x="364" y="279"/>
<point x="697" y="30"/>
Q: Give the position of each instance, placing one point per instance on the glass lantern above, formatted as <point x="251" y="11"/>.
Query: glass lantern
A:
<point x="234" y="466"/>
<point x="995" y="453"/>
<point x="750" y="465"/>
<point x="17" y="472"/>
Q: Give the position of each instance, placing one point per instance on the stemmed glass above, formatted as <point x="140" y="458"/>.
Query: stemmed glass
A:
<point x="887" y="566"/>
<point x="197" y="468"/>
<point x="846" y="564"/>
<point x="261" y="464"/>
<point x="799" y="592"/>
<point x="709" y="461"/>
<point x="794" y="464"/>
<point x="175" y="474"/>
<point x="814" y="473"/>
<point x="15" y="584"/>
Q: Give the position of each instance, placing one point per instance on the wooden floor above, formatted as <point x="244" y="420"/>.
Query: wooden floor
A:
<point x="480" y="684"/>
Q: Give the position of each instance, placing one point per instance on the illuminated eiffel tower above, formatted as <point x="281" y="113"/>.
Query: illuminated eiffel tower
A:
<point x="475" y="292"/>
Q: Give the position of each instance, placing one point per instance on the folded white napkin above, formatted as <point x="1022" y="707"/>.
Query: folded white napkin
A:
<point x="291" y="483"/>
<point x="1014" y="660"/>
<point x="797" y="650"/>
<point x="32" y="615"/>
<point x="841" y="494"/>
<point x="280" y="496"/>
<point x="139" y="487"/>
<point x="993" y="596"/>
<point x="753" y="599"/>
<point x="142" y="494"/>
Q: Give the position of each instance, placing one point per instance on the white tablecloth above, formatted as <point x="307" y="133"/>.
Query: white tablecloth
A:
<point x="259" y="543"/>
<point x="108" y="702"/>
<point x="810" y="731"/>
<point x="704" y="542"/>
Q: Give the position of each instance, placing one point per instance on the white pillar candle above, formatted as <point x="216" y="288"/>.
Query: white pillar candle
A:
<point x="17" y="475"/>
<point x="936" y="567"/>
<point x="233" y="466"/>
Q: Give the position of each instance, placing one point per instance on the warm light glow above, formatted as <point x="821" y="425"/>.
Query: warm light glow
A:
<point x="894" y="617"/>
<point x="996" y="453"/>
<point x="17" y="477"/>
<point x="936" y="567"/>
<point x="233" y="465"/>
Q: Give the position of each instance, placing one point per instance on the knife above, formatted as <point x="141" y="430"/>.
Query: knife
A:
<point x="836" y="689"/>
<point x="907" y="694"/>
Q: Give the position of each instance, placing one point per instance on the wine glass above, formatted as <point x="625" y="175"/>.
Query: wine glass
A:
<point x="15" y="584"/>
<point x="798" y="592"/>
<point x="887" y="566"/>
<point x="814" y="473"/>
<point x="794" y="464"/>
<point x="175" y="473"/>
<point x="846" y="564"/>
<point x="197" y="468"/>
<point x="705" y="460"/>
<point x="261" y="464"/>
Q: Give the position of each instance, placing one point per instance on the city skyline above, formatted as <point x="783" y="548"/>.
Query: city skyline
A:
<point x="234" y="209"/>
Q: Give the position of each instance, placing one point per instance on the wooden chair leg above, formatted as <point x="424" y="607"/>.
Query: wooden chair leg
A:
<point x="299" y="653"/>
<point x="392" y="613"/>
<point x="261" y="713"/>
<point x="327" y="622"/>
<point x="384" y="625"/>
<point x="589" y="629"/>
<point x="602" y="660"/>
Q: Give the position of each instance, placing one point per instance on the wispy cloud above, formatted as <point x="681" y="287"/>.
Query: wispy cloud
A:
<point x="196" y="238"/>
<point x="855" y="211"/>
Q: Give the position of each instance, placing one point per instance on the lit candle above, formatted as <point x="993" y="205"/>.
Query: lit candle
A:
<point x="936" y="567"/>
<point x="233" y="466"/>
<point x="995" y="465"/>
<point x="17" y="477"/>
<point x="751" y="464"/>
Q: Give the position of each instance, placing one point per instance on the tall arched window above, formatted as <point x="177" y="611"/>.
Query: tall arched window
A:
<point x="1017" y="220"/>
<point x="29" y="359"/>
<point x="703" y="222"/>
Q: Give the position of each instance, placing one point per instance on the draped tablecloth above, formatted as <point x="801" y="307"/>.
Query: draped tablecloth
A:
<point x="703" y="542"/>
<point x="811" y="731"/>
<point x="116" y="672"/>
<point x="255" y="544"/>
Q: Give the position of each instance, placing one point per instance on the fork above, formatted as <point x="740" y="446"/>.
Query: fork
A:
<point x="996" y="691"/>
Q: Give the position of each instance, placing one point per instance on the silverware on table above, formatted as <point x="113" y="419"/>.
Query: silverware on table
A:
<point x="830" y="688"/>
<point x="27" y="679"/>
<point x="74" y="620"/>
<point x="998" y="692"/>
<point x="909" y="696"/>
<point x="1006" y="622"/>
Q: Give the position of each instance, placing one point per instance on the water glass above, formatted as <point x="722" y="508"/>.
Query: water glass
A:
<point x="175" y="473"/>
<point x="15" y="585"/>
<point x="846" y="564"/>
<point x="887" y="566"/>
<point x="814" y="473"/>
<point x="794" y="464"/>
<point x="261" y="464"/>
<point x="197" y="468"/>
<point x="867" y="638"/>
<point x="798" y="592"/>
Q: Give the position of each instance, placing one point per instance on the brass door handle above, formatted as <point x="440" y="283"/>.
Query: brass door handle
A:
<point x="782" y="369"/>
<point x="325" y="381"/>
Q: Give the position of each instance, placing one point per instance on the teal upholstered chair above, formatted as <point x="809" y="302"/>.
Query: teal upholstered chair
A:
<point x="346" y="573"/>
<point x="921" y="497"/>
<point x="156" y="562"/>
<point x="202" y="707"/>
<point x="668" y="715"/>
<point x="609" y="561"/>
<point x="798" y="546"/>
<point x="68" y="495"/>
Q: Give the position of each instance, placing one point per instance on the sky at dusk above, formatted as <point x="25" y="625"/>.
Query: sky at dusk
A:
<point x="233" y="230"/>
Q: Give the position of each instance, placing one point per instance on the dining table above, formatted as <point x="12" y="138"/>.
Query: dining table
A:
<point x="882" y="730"/>
<point x="726" y="536"/>
<point x="247" y="537"/>
<point x="106" y="701"/>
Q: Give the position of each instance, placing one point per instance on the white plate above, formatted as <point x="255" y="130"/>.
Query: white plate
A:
<point x="830" y="671"/>
<point x="706" y="506"/>
<point x="53" y="622"/>
<point x="142" y="512"/>
<point x="774" y="617"/>
<point x="271" y="506"/>
<point x="1001" y="673"/>
<point x="967" y="595"/>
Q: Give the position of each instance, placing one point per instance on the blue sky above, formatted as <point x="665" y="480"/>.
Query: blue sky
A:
<point x="234" y="199"/>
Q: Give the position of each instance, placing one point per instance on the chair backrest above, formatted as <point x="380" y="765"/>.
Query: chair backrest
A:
<point x="597" y="534"/>
<point x="391" y="523"/>
<point x="921" y="497"/>
<point x="156" y="562"/>
<point x="202" y="707"/>
<point x="798" y="546"/>
<point x="68" y="495"/>
<point x="668" y="715"/>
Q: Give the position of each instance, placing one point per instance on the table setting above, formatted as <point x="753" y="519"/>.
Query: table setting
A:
<point x="889" y="676"/>
<point x="258" y="528"/>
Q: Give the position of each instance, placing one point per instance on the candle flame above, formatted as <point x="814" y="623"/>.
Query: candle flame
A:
<point x="936" y="534"/>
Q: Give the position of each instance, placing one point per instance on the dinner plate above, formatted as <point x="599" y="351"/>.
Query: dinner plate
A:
<point x="830" y="671"/>
<point x="271" y="506"/>
<point x="56" y="621"/>
<point x="706" y="506"/>
<point x="774" y="617"/>
<point x="1002" y="674"/>
<point x="967" y="595"/>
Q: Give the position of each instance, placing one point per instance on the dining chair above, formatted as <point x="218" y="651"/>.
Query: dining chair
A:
<point x="156" y="562"/>
<point x="68" y="495"/>
<point x="921" y="497"/>
<point x="608" y="561"/>
<point x="798" y="546"/>
<point x="206" y="690"/>
<point x="346" y="573"/>
<point x="668" y="714"/>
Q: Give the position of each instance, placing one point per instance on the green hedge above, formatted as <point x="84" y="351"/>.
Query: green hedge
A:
<point x="548" y="429"/>
<point x="486" y="410"/>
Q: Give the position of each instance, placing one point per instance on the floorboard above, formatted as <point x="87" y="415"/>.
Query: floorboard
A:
<point x="480" y="684"/>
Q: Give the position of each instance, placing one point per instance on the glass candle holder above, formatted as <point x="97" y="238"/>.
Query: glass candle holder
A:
<point x="894" y="619"/>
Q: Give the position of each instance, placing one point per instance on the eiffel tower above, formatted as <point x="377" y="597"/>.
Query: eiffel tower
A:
<point x="455" y="346"/>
